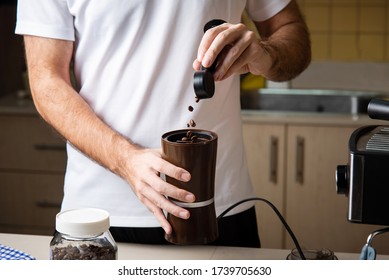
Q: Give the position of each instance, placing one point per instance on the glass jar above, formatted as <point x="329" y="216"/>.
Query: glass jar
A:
<point x="83" y="234"/>
<point x="312" y="254"/>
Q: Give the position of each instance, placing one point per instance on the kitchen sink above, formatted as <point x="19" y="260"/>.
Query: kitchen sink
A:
<point x="308" y="100"/>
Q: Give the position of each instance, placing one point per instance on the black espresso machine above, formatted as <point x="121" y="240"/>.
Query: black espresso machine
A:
<point x="365" y="179"/>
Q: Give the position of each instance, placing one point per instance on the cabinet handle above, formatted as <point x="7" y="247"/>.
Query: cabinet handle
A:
<point x="50" y="147"/>
<point x="300" y="160"/>
<point x="273" y="175"/>
<point x="48" y="204"/>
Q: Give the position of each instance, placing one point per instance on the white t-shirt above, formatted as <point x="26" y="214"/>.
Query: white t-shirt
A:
<point x="133" y="62"/>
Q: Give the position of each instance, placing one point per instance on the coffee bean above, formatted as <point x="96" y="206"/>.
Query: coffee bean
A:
<point x="192" y="137"/>
<point x="192" y="123"/>
<point x="190" y="108"/>
<point x="84" y="252"/>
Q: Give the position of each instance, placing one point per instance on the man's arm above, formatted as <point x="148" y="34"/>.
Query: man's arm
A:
<point x="282" y="52"/>
<point x="285" y="38"/>
<point x="64" y="109"/>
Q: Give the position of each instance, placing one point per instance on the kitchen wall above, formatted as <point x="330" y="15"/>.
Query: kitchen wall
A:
<point x="348" y="30"/>
<point x="350" y="44"/>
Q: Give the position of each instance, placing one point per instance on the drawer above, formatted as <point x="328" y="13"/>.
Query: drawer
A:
<point x="27" y="143"/>
<point x="30" y="200"/>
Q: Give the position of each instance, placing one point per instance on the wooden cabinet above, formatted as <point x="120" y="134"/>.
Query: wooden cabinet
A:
<point x="304" y="191"/>
<point x="32" y="167"/>
<point x="265" y="151"/>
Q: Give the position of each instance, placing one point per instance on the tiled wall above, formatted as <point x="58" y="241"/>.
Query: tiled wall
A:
<point x="348" y="30"/>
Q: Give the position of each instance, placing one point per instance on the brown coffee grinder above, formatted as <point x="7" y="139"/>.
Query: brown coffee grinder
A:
<point x="195" y="150"/>
<point x="198" y="156"/>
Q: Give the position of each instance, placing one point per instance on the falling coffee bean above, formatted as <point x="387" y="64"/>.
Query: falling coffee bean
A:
<point x="191" y="109"/>
<point x="191" y="123"/>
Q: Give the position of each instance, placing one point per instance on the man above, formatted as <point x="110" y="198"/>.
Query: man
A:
<point x="133" y="65"/>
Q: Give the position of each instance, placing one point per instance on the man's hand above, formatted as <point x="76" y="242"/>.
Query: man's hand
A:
<point x="281" y="53"/>
<point x="236" y="49"/>
<point x="143" y="168"/>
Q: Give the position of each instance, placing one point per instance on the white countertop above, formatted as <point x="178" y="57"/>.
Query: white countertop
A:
<point x="38" y="247"/>
<point x="11" y="105"/>
<point x="308" y="118"/>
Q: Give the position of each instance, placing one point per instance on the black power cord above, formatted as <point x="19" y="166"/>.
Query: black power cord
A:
<point x="296" y="243"/>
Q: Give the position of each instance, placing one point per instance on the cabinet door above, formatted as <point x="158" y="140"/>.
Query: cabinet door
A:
<point x="315" y="212"/>
<point x="27" y="143"/>
<point x="264" y="146"/>
<point x="29" y="202"/>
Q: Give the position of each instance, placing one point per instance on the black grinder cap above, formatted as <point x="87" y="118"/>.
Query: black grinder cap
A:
<point x="203" y="82"/>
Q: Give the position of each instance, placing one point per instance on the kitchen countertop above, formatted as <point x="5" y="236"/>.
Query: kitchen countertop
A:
<point x="305" y="118"/>
<point x="11" y="104"/>
<point x="38" y="247"/>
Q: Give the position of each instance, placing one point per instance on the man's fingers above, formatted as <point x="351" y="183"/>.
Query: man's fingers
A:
<point x="161" y="202"/>
<point x="158" y="213"/>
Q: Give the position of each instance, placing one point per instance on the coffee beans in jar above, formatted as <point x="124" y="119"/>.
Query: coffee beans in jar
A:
<point x="83" y="234"/>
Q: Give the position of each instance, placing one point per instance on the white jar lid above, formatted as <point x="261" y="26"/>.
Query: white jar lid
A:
<point x="82" y="222"/>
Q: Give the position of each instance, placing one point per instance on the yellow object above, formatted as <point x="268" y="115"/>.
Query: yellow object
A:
<point x="251" y="82"/>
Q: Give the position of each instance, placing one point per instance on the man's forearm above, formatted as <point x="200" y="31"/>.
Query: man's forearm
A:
<point x="72" y="117"/>
<point x="64" y="109"/>
<point x="289" y="57"/>
<point x="285" y="38"/>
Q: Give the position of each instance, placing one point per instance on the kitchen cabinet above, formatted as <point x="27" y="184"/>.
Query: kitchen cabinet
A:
<point x="32" y="167"/>
<point x="293" y="165"/>
<point x="265" y="151"/>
